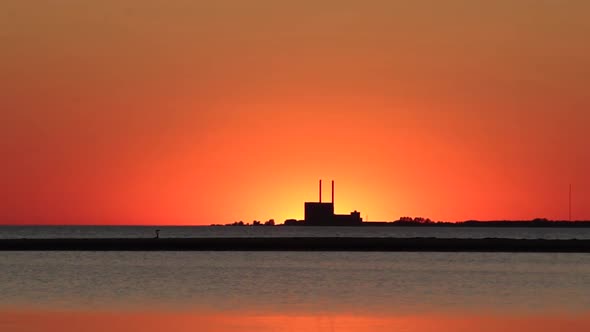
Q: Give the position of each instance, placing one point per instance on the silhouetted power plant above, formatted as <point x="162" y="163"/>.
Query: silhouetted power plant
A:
<point x="322" y="214"/>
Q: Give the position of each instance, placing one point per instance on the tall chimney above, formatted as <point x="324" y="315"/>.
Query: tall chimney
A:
<point x="332" y="192"/>
<point x="320" y="190"/>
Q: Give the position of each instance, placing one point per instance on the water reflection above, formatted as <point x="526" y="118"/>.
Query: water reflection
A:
<point x="296" y="282"/>
<point x="33" y="321"/>
<point x="237" y="291"/>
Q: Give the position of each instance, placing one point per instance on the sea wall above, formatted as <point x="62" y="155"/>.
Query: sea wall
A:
<point x="299" y="244"/>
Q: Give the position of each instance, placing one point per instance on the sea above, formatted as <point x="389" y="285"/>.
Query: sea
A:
<point x="293" y="291"/>
<point x="40" y="232"/>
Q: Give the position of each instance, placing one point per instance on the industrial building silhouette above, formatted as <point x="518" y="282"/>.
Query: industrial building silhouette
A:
<point x="322" y="214"/>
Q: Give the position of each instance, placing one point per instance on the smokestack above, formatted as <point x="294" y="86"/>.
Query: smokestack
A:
<point x="332" y="192"/>
<point x="320" y="190"/>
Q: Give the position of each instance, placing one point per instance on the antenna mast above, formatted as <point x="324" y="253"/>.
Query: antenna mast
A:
<point x="570" y="202"/>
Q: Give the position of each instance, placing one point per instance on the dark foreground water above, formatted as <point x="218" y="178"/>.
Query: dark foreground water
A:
<point x="34" y="232"/>
<point x="293" y="291"/>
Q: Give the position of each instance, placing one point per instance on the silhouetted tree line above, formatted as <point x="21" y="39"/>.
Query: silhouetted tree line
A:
<point x="270" y="222"/>
<point x="416" y="220"/>
<point x="537" y="222"/>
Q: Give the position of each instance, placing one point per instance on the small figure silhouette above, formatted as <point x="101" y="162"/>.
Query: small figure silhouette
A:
<point x="157" y="234"/>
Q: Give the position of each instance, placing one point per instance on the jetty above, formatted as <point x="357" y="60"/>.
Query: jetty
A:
<point x="350" y="244"/>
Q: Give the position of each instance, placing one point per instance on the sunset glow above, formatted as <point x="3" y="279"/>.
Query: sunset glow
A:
<point x="201" y="112"/>
<point x="29" y="321"/>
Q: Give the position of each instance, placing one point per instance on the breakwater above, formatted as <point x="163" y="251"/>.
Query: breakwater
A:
<point x="299" y="244"/>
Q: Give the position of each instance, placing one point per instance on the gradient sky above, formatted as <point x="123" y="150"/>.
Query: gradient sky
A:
<point x="200" y="112"/>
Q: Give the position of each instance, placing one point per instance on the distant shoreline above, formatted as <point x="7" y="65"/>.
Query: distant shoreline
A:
<point x="349" y="244"/>
<point x="525" y="224"/>
<point x="537" y="223"/>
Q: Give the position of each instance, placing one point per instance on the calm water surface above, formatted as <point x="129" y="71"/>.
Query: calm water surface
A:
<point x="16" y="232"/>
<point x="276" y="291"/>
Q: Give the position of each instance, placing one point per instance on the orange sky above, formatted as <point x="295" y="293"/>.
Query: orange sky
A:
<point x="200" y="112"/>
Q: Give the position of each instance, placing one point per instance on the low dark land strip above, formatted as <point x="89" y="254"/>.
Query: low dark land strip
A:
<point x="299" y="244"/>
